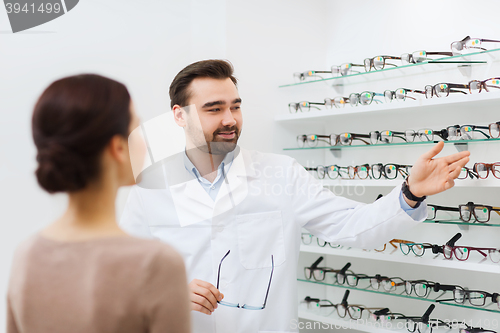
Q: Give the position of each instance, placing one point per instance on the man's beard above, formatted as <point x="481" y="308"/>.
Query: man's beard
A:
<point x="217" y="145"/>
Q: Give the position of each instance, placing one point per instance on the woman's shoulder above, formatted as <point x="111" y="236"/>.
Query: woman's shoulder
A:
<point x="106" y="249"/>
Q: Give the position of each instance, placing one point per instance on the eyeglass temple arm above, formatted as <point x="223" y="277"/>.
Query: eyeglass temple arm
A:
<point x="458" y="91"/>
<point x="270" y="279"/>
<point x="390" y="57"/>
<point x="218" y="273"/>
<point x="399" y="241"/>
<point x="399" y="134"/>
<point x="480" y="250"/>
<point x="440" y="53"/>
<point x="490" y="40"/>
<point x="482" y="127"/>
<point x="496" y="210"/>
<point x="359" y="136"/>
<point x="473" y="174"/>
<point x="447" y="209"/>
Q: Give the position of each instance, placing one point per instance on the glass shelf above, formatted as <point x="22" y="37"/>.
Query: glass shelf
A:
<point x="460" y="142"/>
<point x="432" y="62"/>
<point x="459" y="222"/>
<point x="400" y="295"/>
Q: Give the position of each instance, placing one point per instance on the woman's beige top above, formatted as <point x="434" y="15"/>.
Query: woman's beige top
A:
<point x="116" y="284"/>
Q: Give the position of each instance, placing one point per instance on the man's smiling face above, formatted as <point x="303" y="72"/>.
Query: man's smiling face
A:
<point x="214" y="125"/>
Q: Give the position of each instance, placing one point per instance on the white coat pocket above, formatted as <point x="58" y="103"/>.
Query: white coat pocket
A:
<point x="260" y="235"/>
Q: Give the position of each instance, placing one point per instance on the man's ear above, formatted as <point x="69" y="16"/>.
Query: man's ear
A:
<point x="179" y="115"/>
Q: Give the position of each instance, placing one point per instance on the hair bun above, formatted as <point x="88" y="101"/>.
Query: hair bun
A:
<point x="59" y="169"/>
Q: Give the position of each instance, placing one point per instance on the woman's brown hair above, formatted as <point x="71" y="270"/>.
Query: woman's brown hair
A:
<point x="73" y="121"/>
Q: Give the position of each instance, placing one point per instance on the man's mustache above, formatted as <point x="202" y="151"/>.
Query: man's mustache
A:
<point x="230" y="129"/>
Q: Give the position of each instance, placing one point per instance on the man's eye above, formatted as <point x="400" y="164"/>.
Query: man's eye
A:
<point x="214" y="110"/>
<point x="237" y="108"/>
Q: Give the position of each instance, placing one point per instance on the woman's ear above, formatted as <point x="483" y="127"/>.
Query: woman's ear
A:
<point x="179" y="115"/>
<point x="118" y="148"/>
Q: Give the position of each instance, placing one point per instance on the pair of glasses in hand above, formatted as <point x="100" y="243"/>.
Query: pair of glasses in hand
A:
<point x="245" y="306"/>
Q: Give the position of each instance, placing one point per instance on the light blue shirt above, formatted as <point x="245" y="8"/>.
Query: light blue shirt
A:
<point x="412" y="212"/>
<point x="211" y="188"/>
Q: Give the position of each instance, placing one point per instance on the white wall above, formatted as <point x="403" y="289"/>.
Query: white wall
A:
<point x="143" y="44"/>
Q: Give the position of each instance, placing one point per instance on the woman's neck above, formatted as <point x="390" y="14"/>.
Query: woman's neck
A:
<point x="90" y="214"/>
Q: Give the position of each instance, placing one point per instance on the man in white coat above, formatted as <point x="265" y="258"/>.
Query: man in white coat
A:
<point x="236" y="215"/>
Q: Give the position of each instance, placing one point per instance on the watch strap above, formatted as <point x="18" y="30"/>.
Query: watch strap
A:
<point x="406" y="191"/>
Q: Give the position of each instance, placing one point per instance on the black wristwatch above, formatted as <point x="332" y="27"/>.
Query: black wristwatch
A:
<point x="410" y="196"/>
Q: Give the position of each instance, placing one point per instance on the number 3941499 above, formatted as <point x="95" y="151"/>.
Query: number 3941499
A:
<point x="33" y="8"/>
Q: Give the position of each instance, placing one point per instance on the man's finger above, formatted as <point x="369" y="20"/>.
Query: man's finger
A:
<point x="200" y="308"/>
<point x="200" y="300"/>
<point x="204" y="292"/>
<point x="212" y="289"/>
<point x="449" y="184"/>
<point x="457" y="156"/>
<point x="456" y="172"/>
<point x="459" y="164"/>
<point x="433" y="151"/>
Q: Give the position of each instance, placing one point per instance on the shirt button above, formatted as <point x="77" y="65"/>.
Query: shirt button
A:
<point x="212" y="187"/>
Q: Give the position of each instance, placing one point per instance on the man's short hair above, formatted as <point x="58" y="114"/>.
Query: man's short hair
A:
<point x="214" y="68"/>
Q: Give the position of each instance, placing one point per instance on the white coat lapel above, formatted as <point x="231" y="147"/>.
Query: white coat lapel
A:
<point x="234" y="189"/>
<point x="192" y="203"/>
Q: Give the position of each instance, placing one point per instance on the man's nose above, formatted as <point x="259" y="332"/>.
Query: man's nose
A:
<point x="228" y="119"/>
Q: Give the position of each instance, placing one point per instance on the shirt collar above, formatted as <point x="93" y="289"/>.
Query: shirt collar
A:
<point x="226" y="164"/>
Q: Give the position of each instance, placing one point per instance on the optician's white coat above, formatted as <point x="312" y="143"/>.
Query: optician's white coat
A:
<point x="259" y="211"/>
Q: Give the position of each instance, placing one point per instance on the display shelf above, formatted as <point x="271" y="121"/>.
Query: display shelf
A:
<point x="403" y="295"/>
<point x="395" y="182"/>
<point x="455" y="103"/>
<point x="432" y="65"/>
<point x="348" y="323"/>
<point x="398" y="144"/>
<point x="485" y="266"/>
